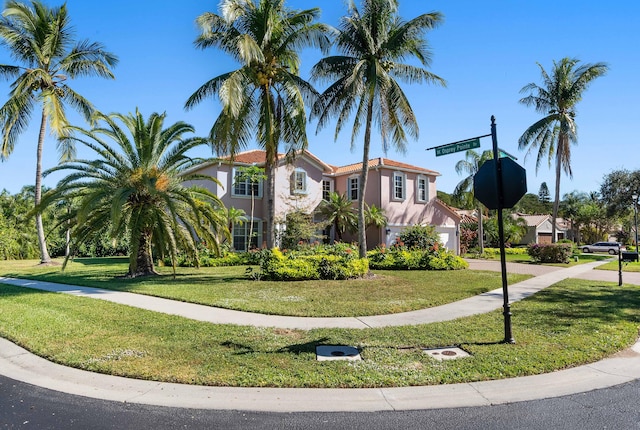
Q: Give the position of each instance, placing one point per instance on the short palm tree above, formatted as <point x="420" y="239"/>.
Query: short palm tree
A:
<point x="338" y="211"/>
<point x="135" y="187"/>
<point x="556" y="99"/>
<point x="375" y="217"/>
<point x="41" y="40"/>
<point x="265" y="98"/>
<point x="470" y="166"/>
<point x="364" y="80"/>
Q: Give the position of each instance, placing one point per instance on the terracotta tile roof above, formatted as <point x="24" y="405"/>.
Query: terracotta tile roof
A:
<point x="255" y="156"/>
<point x="258" y="156"/>
<point x="382" y="162"/>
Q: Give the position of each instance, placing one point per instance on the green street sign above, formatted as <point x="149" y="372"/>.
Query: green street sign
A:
<point x="457" y="147"/>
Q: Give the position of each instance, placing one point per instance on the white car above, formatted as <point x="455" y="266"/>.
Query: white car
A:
<point x="610" y="247"/>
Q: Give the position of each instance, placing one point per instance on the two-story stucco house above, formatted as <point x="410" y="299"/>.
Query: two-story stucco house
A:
<point x="406" y="194"/>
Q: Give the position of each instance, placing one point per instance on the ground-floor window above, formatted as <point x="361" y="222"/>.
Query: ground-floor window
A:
<point x="241" y="240"/>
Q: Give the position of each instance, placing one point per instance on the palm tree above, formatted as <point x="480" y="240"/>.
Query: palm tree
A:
<point x="338" y="211"/>
<point x="41" y="40"/>
<point x="364" y="81"/>
<point x="135" y="187"/>
<point x="265" y="98"/>
<point x="556" y="99"/>
<point x="375" y="217"/>
<point x="470" y="165"/>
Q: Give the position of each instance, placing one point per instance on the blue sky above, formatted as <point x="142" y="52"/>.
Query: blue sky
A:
<point x="487" y="51"/>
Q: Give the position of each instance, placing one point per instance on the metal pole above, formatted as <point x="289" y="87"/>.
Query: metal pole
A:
<point x="508" y="336"/>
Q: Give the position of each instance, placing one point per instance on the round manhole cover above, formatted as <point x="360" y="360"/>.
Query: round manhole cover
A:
<point x="449" y="353"/>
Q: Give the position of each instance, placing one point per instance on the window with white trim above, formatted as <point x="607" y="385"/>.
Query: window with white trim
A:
<point x="326" y="189"/>
<point x="242" y="187"/>
<point x="241" y="235"/>
<point x="399" y="185"/>
<point x="422" y="189"/>
<point x="353" y="187"/>
<point x="299" y="182"/>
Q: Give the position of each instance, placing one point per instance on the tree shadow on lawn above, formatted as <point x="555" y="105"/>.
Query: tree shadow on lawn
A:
<point x="297" y="349"/>
<point x="602" y="303"/>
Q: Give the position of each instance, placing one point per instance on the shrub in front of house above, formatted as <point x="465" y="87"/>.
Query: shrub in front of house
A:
<point x="287" y="265"/>
<point x="401" y="258"/>
<point x="550" y="253"/>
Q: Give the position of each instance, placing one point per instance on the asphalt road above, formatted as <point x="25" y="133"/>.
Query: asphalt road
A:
<point x="24" y="406"/>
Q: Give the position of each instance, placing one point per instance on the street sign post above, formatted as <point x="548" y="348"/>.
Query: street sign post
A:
<point x="464" y="145"/>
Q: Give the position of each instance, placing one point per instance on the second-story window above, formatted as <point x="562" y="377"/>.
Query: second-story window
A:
<point x="299" y="182"/>
<point x="326" y="189"/>
<point x="422" y="189"/>
<point x="244" y="187"/>
<point x="353" y="187"/>
<point x="399" y="185"/>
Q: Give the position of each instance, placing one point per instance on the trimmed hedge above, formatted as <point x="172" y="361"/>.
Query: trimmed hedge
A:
<point x="399" y="258"/>
<point x="295" y="266"/>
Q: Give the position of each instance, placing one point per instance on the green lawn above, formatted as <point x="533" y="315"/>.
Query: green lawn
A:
<point x="526" y="259"/>
<point x="571" y="323"/>
<point x="230" y="287"/>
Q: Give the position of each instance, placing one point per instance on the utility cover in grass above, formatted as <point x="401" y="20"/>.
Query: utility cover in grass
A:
<point x="337" y="352"/>
<point x="446" y="353"/>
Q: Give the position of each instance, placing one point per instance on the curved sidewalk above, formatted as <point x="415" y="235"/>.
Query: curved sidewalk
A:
<point x="479" y="304"/>
<point x="17" y="363"/>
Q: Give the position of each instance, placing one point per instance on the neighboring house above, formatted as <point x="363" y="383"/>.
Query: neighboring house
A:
<point x="539" y="228"/>
<point x="404" y="192"/>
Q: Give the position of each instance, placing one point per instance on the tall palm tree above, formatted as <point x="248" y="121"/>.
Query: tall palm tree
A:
<point x="470" y="165"/>
<point x="556" y="99"/>
<point x="134" y="186"/>
<point x="364" y="80"/>
<point x="41" y="40"/>
<point x="265" y="98"/>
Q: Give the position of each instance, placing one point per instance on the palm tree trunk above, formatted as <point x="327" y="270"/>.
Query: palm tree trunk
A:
<point x="556" y="202"/>
<point x="362" y="233"/>
<point x="251" y="219"/>
<point x="44" y="253"/>
<point x="271" y="209"/>
<point x="144" y="259"/>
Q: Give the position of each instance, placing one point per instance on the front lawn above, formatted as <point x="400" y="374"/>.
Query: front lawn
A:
<point x="569" y="324"/>
<point x="229" y="287"/>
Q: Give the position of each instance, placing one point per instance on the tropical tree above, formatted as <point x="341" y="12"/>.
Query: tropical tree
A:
<point x="470" y="166"/>
<point x="375" y="217"/>
<point x="556" y="99"/>
<point x="364" y="80"/>
<point x="41" y="40"/>
<point x="338" y="211"/>
<point x="265" y="98"/>
<point x="254" y="175"/>
<point x="134" y="185"/>
<point x="232" y="216"/>
<point x="514" y="228"/>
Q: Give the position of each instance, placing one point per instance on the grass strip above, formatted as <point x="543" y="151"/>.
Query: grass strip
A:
<point x="230" y="288"/>
<point x="569" y="324"/>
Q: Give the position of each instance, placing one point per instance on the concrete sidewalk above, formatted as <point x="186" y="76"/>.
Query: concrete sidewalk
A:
<point x="19" y="364"/>
<point x="479" y="304"/>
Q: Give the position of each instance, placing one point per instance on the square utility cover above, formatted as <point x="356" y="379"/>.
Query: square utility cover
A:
<point x="446" y="353"/>
<point x="337" y="352"/>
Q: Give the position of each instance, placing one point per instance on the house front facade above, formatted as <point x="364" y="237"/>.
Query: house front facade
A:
<point x="539" y="229"/>
<point x="405" y="193"/>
